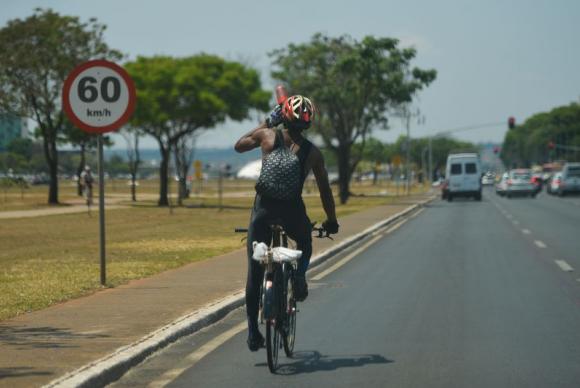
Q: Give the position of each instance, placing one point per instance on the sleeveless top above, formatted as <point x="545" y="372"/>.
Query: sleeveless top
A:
<point x="302" y="154"/>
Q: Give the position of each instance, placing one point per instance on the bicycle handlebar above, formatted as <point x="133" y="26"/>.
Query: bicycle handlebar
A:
<point x="320" y="232"/>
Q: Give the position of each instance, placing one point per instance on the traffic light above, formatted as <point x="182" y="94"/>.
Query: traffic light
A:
<point x="511" y="122"/>
<point x="551" y="145"/>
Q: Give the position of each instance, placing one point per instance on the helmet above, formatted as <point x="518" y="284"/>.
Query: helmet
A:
<point x="298" y="112"/>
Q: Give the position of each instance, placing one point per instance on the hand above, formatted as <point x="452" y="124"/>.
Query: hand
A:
<point x="330" y="226"/>
<point x="275" y="117"/>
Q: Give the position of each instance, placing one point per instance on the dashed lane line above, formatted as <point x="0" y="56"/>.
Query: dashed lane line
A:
<point x="564" y="266"/>
<point x="540" y="244"/>
<point x="516" y="222"/>
<point x="526" y="231"/>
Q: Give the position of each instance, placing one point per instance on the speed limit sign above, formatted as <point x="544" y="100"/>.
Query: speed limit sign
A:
<point x="98" y="96"/>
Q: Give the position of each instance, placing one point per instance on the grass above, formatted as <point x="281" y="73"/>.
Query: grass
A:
<point x="51" y="259"/>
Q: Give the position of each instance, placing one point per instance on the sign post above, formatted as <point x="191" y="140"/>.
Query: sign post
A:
<point x="98" y="97"/>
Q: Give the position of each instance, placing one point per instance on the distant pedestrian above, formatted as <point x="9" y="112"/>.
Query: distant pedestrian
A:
<point x="87" y="183"/>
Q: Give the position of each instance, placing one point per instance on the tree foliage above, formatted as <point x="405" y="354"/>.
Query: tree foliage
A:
<point x="179" y="96"/>
<point x="355" y="84"/>
<point x="37" y="55"/>
<point x="528" y="143"/>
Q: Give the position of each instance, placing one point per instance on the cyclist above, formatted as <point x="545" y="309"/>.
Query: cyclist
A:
<point x="87" y="182"/>
<point x="296" y="115"/>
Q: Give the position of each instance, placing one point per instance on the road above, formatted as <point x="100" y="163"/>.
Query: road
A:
<point x="465" y="294"/>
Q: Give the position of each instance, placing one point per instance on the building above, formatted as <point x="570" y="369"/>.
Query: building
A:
<point x="11" y="127"/>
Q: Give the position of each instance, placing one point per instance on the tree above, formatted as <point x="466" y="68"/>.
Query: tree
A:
<point x="132" y="136"/>
<point x="184" y="153"/>
<point x="37" y="55"/>
<point x="179" y="96"/>
<point x="527" y="143"/>
<point x="375" y="152"/>
<point x="354" y="84"/>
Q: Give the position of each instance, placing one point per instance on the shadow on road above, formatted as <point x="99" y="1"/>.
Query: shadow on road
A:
<point x="313" y="361"/>
<point x="41" y="337"/>
<point x="21" y="372"/>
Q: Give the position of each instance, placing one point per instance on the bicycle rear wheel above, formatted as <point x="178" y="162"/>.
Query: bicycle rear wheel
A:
<point x="290" y="326"/>
<point x="272" y="344"/>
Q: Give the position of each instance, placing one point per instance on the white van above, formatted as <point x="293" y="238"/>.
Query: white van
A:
<point x="463" y="175"/>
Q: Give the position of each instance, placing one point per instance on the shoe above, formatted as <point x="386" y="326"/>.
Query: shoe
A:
<point x="300" y="288"/>
<point x="255" y="342"/>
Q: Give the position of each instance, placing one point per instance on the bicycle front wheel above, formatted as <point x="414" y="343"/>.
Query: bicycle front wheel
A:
<point x="290" y="329"/>
<point x="272" y="344"/>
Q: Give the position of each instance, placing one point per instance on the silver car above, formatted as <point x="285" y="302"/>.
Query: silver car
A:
<point x="570" y="180"/>
<point x="519" y="182"/>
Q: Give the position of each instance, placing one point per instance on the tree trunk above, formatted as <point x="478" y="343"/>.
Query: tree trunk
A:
<point x="133" y="188"/>
<point x="51" y="156"/>
<point x="80" y="170"/>
<point x="344" y="172"/>
<point x="163" y="175"/>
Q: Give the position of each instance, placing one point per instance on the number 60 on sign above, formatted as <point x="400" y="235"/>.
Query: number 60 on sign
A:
<point x="98" y="96"/>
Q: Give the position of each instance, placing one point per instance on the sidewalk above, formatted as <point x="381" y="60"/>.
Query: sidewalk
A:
<point x="78" y="206"/>
<point x="39" y="347"/>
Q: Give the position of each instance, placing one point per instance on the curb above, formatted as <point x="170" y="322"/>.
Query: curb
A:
<point x="111" y="367"/>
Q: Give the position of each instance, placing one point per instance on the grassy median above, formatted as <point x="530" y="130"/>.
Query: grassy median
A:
<point x="46" y="260"/>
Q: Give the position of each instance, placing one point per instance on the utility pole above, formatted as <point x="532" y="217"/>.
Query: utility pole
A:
<point x="408" y="153"/>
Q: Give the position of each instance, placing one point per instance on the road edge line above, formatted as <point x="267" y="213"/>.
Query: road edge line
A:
<point x="110" y="368"/>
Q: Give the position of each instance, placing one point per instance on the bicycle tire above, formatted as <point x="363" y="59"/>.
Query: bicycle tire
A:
<point x="272" y="344"/>
<point x="289" y="337"/>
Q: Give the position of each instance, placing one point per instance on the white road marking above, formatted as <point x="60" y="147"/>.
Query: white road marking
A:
<point x="410" y="218"/>
<point x="540" y="244"/>
<point x="195" y="356"/>
<point x="509" y="216"/>
<point x="347" y="258"/>
<point x="210" y="346"/>
<point x="564" y="266"/>
<point x="526" y="231"/>
<point x="516" y="222"/>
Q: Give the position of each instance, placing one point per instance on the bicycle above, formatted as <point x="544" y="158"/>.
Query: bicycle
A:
<point x="88" y="194"/>
<point x="277" y="304"/>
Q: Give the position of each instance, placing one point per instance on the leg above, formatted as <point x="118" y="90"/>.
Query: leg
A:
<point x="257" y="231"/>
<point x="298" y="227"/>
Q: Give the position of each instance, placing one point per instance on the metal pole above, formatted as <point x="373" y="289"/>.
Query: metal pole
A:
<point x="102" y="209"/>
<point x="220" y="188"/>
<point x="407" y="161"/>
<point x="430" y="158"/>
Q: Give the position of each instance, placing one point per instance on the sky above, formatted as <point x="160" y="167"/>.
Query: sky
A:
<point x="494" y="59"/>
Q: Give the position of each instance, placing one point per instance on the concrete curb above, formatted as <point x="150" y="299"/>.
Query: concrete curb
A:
<point x="111" y="367"/>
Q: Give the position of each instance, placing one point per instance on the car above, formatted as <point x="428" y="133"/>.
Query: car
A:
<point x="501" y="186"/>
<point x="487" y="180"/>
<point x="570" y="181"/>
<point x="463" y="172"/>
<point x="519" y="183"/>
<point x="553" y="185"/>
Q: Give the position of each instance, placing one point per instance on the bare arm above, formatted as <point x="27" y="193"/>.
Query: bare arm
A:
<point x="251" y="140"/>
<point x="321" y="175"/>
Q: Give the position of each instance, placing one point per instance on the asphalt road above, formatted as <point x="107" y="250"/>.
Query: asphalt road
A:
<point x="458" y="296"/>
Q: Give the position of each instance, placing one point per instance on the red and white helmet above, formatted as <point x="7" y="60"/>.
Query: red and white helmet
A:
<point x="298" y="110"/>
